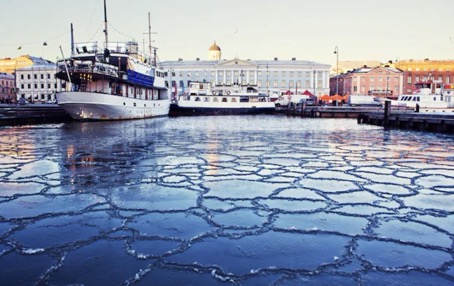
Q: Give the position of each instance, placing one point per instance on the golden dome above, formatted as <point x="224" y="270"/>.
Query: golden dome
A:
<point x="214" y="47"/>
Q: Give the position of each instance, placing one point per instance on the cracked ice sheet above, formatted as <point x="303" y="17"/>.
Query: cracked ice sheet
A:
<point x="216" y="200"/>
<point x="269" y="251"/>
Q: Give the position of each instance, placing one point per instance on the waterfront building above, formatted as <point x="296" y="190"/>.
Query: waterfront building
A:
<point x="423" y="70"/>
<point x="37" y="83"/>
<point x="9" y="65"/>
<point x="381" y="81"/>
<point x="7" y="88"/>
<point x="270" y="76"/>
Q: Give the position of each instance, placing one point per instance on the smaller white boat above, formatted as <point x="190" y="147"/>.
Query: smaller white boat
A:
<point x="204" y="99"/>
<point x="429" y="96"/>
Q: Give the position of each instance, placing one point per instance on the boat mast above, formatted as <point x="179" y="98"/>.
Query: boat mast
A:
<point x="149" y="37"/>
<point x="106" y="49"/>
<point x="72" y="39"/>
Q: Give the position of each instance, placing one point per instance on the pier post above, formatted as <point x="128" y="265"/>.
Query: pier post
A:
<point x="387" y="112"/>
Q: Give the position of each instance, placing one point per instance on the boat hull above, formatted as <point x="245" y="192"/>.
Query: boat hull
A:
<point x="97" y="106"/>
<point x="176" y="110"/>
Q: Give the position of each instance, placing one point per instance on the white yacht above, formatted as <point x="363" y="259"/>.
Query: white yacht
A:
<point x="205" y="99"/>
<point x="429" y="96"/>
<point x="115" y="82"/>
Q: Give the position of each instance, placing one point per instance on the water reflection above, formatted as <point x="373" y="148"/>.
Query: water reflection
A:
<point x="252" y="200"/>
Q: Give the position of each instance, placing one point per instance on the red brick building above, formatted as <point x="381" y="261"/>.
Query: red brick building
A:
<point x="7" y="88"/>
<point x="422" y="70"/>
<point x="378" y="81"/>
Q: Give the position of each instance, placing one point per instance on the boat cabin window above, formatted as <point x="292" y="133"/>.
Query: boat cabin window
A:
<point x="215" y="99"/>
<point x="233" y="99"/>
<point x="244" y="99"/>
<point x="224" y="100"/>
<point x="205" y="99"/>
<point x="197" y="98"/>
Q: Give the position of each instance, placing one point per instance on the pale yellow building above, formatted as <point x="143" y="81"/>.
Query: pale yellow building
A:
<point x="9" y="65"/>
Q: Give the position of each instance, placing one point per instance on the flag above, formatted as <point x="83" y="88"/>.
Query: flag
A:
<point x="20" y="47"/>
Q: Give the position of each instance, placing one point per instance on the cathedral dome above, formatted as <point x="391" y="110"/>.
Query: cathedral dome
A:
<point x="214" y="47"/>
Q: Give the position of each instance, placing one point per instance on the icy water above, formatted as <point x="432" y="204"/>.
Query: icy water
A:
<point x="252" y="200"/>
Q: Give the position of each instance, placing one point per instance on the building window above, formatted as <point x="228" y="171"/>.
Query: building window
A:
<point x="283" y="84"/>
<point x="409" y="80"/>
<point x="284" y="74"/>
<point x="35" y="76"/>
<point x="291" y="84"/>
<point x="259" y="83"/>
<point x="298" y="84"/>
<point x="21" y="76"/>
<point x="275" y="83"/>
<point x="28" y="76"/>
<point x="276" y="74"/>
<point x="291" y="74"/>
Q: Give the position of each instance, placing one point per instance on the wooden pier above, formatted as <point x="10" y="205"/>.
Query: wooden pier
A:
<point x="332" y="111"/>
<point x="432" y="122"/>
<point x="12" y="114"/>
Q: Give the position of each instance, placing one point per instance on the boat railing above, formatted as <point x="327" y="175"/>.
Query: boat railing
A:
<point x="86" y="48"/>
<point x="89" y="67"/>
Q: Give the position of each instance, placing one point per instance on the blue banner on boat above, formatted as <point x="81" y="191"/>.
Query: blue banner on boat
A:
<point x="140" y="79"/>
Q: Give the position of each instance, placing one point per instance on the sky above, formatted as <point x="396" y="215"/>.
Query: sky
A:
<point x="248" y="29"/>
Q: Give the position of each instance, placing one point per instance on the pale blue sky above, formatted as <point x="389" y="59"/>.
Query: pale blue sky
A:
<point x="308" y="30"/>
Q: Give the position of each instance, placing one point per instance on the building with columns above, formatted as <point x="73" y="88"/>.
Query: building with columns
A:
<point x="270" y="76"/>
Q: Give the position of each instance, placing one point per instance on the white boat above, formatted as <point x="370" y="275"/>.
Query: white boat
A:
<point x="114" y="83"/>
<point x="429" y="96"/>
<point x="205" y="99"/>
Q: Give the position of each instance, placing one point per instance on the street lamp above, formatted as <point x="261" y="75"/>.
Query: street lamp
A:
<point x="313" y="79"/>
<point x="336" y="52"/>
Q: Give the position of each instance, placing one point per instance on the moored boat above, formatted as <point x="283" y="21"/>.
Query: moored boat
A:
<point x="205" y="99"/>
<point x="114" y="83"/>
<point x="429" y="96"/>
